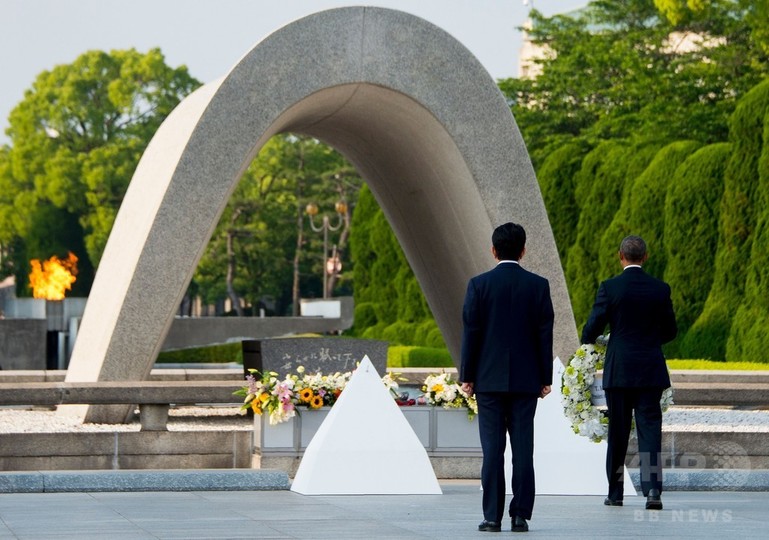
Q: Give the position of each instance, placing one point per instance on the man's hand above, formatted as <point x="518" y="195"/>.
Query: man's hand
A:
<point x="545" y="391"/>
<point x="467" y="388"/>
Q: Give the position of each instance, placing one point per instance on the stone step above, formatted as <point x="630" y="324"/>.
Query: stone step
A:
<point x="709" y="480"/>
<point x="143" y="480"/>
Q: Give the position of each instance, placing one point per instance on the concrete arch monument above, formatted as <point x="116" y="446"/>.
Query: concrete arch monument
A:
<point x="406" y="103"/>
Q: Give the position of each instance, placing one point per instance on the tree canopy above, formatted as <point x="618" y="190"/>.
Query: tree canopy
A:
<point x="76" y="138"/>
<point x="264" y="252"/>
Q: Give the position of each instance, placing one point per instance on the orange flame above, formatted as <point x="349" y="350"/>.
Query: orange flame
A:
<point x="50" y="279"/>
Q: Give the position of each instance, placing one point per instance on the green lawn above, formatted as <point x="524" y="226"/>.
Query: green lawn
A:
<point x="710" y="364"/>
<point x="399" y="356"/>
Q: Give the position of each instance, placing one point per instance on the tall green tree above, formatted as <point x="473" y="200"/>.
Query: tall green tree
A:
<point x="691" y="235"/>
<point x="263" y="252"/>
<point x="389" y="303"/>
<point x="641" y="210"/>
<point x="76" y="138"/>
<point x="556" y="179"/>
<point x="602" y="178"/>
<point x="640" y="159"/>
<point x="620" y="69"/>
<point x="750" y="328"/>
<point x="737" y="223"/>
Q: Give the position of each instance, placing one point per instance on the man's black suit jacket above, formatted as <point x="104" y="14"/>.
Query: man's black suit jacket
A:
<point x="507" y="344"/>
<point x="638" y="309"/>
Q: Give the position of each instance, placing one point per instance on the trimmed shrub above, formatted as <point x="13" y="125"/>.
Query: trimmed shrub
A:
<point x="691" y="235"/>
<point x="708" y="335"/>
<point x="620" y="227"/>
<point x="415" y="357"/>
<point x="556" y="179"/>
<point x="389" y="301"/>
<point x="642" y="210"/>
<point x="750" y="328"/>
<point x="602" y="178"/>
<point x="213" y="354"/>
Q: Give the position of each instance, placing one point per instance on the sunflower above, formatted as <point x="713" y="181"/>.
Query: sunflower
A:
<point x="305" y="395"/>
<point x="316" y="402"/>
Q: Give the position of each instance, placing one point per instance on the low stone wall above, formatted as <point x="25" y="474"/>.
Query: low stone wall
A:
<point x="126" y="450"/>
<point x="709" y="450"/>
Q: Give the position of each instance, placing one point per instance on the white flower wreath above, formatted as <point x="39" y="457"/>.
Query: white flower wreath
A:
<point x="586" y="418"/>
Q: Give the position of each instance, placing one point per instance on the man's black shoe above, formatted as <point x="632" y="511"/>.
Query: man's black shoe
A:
<point x="611" y="502"/>
<point x="653" y="501"/>
<point x="519" y="524"/>
<point x="490" y="526"/>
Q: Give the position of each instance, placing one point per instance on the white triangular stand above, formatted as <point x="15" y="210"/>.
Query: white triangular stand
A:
<point x="564" y="463"/>
<point x="365" y="446"/>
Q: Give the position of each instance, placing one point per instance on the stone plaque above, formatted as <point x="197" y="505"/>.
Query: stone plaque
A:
<point x="317" y="355"/>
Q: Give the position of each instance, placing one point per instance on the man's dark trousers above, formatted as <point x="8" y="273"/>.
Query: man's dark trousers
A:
<point x="500" y="413"/>
<point x="620" y="403"/>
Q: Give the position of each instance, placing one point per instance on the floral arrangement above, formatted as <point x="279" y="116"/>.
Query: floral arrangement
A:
<point x="265" y="393"/>
<point x="282" y="399"/>
<point x="586" y="418"/>
<point x="442" y="390"/>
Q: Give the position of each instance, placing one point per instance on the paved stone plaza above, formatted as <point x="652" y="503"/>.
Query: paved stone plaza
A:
<point x="284" y="514"/>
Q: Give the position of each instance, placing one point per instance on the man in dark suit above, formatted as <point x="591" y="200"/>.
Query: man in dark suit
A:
<point x="639" y="312"/>
<point x="507" y="361"/>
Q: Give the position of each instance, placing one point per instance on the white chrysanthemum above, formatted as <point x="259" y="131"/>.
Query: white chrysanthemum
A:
<point x="578" y="376"/>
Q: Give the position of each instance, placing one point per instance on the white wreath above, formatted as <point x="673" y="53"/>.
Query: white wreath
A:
<point x="587" y="418"/>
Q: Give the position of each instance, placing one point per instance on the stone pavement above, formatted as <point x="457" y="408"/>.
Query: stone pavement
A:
<point x="284" y="514"/>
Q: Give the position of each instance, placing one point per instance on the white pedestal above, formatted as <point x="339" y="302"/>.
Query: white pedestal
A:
<point x="365" y="446"/>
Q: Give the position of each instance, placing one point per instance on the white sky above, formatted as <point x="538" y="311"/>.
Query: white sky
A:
<point x="209" y="36"/>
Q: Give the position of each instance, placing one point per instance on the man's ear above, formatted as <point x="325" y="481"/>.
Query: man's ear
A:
<point x="494" y="253"/>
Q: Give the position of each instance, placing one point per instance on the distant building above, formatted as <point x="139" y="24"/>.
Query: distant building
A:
<point x="676" y="43"/>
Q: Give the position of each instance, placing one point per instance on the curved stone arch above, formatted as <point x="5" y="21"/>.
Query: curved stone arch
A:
<point x="407" y="104"/>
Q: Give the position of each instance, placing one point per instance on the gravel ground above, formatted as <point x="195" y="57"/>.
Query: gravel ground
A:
<point x="35" y="420"/>
<point x="215" y="418"/>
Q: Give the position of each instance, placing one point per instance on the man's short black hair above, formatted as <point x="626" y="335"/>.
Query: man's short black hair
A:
<point x="633" y="248"/>
<point x="508" y="241"/>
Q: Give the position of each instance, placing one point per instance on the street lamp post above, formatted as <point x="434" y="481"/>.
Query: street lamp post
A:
<point x="328" y="266"/>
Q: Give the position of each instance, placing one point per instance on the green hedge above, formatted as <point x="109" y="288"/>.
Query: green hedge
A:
<point x="641" y="212"/>
<point x="389" y="304"/>
<point x="599" y="186"/>
<point x="400" y="356"/>
<point x="750" y="329"/>
<point x="737" y="222"/>
<point x="556" y="179"/>
<point x="214" y="354"/>
<point x="691" y="237"/>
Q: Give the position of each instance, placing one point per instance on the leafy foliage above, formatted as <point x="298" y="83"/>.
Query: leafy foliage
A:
<point x="709" y="334"/>
<point x="691" y="218"/>
<point x="750" y="328"/>
<point x="76" y="138"/>
<point x="263" y="241"/>
<point x="602" y="178"/>
<point x="389" y="303"/>
<point x="659" y="78"/>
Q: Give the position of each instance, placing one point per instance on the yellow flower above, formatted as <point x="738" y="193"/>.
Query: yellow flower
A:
<point x="305" y="395"/>
<point x="316" y="402"/>
<point x="255" y="407"/>
<point x="264" y="396"/>
<point x="437" y="388"/>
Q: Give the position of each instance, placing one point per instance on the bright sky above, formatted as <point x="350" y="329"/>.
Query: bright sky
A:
<point x="209" y="36"/>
